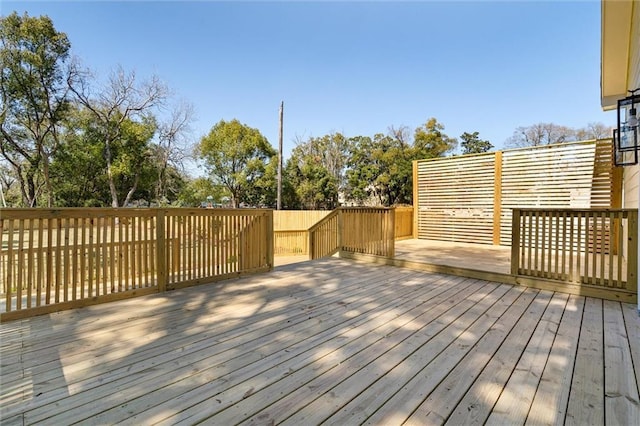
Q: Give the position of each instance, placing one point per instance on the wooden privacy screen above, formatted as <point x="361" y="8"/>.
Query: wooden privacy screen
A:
<point x="470" y="198"/>
<point x="64" y="258"/>
<point x="455" y="198"/>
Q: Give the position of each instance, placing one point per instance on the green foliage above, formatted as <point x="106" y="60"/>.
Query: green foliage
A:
<point x="472" y="144"/>
<point x="236" y="156"/>
<point x="315" y="173"/>
<point x="79" y="169"/>
<point x="262" y="183"/>
<point x="310" y="185"/>
<point x="381" y="169"/>
<point x="431" y="142"/>
<point x="330" y="152"/>
<point x="33" y="90"/>
<point x="201" y="190"/>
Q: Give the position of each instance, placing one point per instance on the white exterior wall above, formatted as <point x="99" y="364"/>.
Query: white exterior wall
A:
<point x="631" y="176"/>
<point x="631" y="186"/>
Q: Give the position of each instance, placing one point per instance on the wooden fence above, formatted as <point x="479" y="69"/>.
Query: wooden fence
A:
<point x="322" y="238"/>
<point x="291" y="220"/>
<point x="587" y="247"/>
<point x="59" y="259"/>
<point x="290" y="241"/>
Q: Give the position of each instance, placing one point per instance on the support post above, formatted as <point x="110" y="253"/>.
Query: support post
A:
<point x="270" y="239"/>
<point x="416" y="204"/>
<point x="515" y="241"/>
<point x="497" y="197"/>
<point x="279" y="202"/>
<point x="161" y="253"/>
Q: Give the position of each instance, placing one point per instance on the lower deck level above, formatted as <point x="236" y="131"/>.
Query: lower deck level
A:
<point x="330" y="341"/>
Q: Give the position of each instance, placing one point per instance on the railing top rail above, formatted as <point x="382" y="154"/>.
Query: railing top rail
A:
<point x="597" y="210"/>
<point x="324" y="220"/>
<point x="73" y="212"/>
<point x="365" y="208"/>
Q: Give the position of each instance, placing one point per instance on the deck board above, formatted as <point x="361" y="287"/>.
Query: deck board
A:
<point x="330" y="341"/>
<point x="586" y="400"/>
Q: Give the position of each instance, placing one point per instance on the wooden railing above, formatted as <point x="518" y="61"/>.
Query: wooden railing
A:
<point x="324" y="236"/>
<point x="368" y="230"/>
<point x="58" y="259"/>
<point x="403" y="223"/>
<point x="587" y="247"/>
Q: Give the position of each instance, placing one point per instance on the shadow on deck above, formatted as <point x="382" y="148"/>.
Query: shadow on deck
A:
<point x="328" y="341"/>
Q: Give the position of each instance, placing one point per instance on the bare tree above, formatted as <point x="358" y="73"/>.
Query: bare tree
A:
<point x="402" y="134"/>
<point x="174" y="146"/>
<point x="540" y="134"/>
<point x="594" y="130"/>
<point x="123" y="98"/>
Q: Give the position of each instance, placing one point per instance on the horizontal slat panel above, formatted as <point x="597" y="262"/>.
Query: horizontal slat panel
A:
<point x="572" y="175"/>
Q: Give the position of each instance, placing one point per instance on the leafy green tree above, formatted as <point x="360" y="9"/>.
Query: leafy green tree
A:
<point x="262" y="185"/>
<point x="380" y="169"/>
<point x="201" y="190"/>
<point x="80" y="167"/>
<point x="34" y="94"/>
<point x="472" y="144"/>
<point x="331" y="151"/>
<point x="312" y="186"/>
<point x="430" y="141"/>
<point x="9" y="192"/>
<point x="236" y="156"/>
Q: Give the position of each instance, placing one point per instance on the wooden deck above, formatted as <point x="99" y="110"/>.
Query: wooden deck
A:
<point x="330" y="341"/>
<point x="482" y="257"/>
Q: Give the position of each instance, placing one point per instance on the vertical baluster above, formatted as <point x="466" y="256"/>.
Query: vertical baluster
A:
<point x="20" y="264"/>
<point x="75" y="266"/>
<point x="66" y="259"/>
<point x="30" y="264"/>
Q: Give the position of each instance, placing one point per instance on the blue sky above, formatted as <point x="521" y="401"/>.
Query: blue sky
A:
<point x="352" y="67"/>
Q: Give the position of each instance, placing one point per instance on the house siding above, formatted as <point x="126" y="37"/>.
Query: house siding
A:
<point x="634" y="49"/>
<point x="631" y="175"/>
<point x="631" y="178"/>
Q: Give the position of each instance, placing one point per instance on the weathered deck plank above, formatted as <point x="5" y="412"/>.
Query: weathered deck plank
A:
<point x="586" y="400"/>
<point x="621" y="389"/>
<point x="330" y="341"/>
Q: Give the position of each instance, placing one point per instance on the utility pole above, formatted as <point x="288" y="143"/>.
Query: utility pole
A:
<point x="279" y="205"/>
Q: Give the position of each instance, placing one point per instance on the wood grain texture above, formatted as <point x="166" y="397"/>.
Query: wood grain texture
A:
<point x="331" y="341"/>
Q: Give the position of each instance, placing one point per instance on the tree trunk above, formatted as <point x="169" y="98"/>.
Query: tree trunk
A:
<point x="112" y="185"/>
<point x="131" y="191"/>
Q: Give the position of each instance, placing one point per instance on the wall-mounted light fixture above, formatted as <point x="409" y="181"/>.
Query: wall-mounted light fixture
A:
<point x="627" y="133"/>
